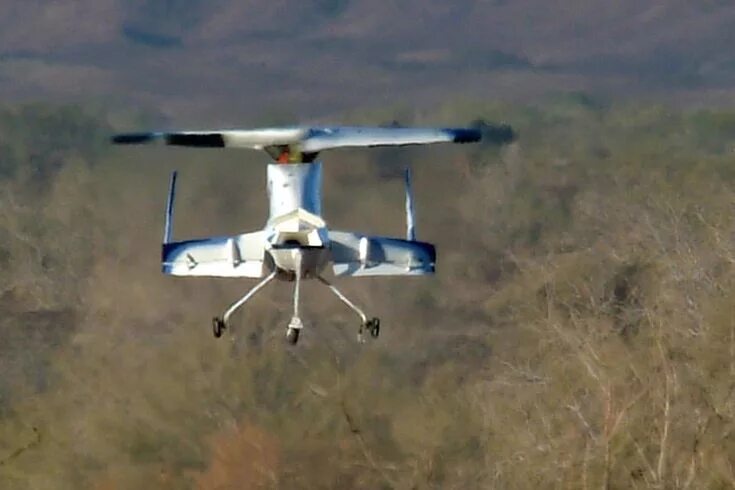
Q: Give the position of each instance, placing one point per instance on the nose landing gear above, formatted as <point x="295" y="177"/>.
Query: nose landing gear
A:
<point x="295" y="326"/>
<point x="292" y="335"/>
<point x="219" y="325"/>
<point x="293" y="330"/>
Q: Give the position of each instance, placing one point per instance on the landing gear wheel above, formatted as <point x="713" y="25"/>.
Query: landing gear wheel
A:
<point x="374" y="326"/>
<point x="218" y="327"/>
<point x="292" y="335"/>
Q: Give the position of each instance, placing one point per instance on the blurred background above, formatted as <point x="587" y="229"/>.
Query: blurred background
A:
<point x="578" y="332"/>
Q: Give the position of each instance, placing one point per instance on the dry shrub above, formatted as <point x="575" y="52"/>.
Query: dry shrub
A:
<point x="242" y="457"/>
<point x="578" y="334"/>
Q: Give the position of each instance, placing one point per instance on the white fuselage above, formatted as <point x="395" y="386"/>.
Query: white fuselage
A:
<point x="294" y="186"/>
<point x="296" y="235"/>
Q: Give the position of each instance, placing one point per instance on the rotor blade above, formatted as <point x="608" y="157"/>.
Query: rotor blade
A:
<point x="343" y="137"/>
<point x="305" y="139"/>
<point x="135" y="138"/>
<point x="255" y="139"/>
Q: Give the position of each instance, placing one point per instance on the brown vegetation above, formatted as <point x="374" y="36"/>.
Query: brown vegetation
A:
<point x="578" y="334"/>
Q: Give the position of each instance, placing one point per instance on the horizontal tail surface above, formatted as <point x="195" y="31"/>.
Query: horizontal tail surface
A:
<point x="354" y="254"/>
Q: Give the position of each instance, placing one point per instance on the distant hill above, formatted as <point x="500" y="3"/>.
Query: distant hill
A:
<point x="224" y="59"/>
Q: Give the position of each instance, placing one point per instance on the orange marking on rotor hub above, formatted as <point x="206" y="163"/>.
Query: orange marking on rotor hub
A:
<point x="283" y="157"/>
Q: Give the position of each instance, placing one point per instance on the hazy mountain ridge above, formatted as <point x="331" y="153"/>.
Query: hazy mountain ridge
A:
<point x="191" y="56"/>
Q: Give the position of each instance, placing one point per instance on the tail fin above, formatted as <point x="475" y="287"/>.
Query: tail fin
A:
<point x="410" y="220"/>
<point x="168" y="227"/>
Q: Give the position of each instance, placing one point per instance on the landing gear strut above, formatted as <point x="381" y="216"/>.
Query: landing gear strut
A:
<point x="372" y="325"/>
<point x="219" y="325"/>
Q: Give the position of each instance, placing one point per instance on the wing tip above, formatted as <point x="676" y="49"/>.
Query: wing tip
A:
<point x="133" y="138"/>
<point x="465" y="135"/>
<point x="495" y="133"/>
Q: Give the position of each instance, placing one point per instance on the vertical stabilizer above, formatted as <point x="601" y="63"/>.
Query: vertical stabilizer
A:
<point x="410" y="220"/>
<point x="168" y="226"/>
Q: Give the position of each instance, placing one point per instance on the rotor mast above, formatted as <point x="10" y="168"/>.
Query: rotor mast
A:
<point x="293" y="186"/>
<point x="294" y="177"/>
